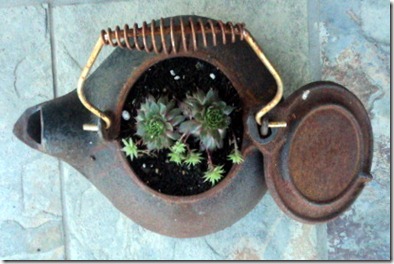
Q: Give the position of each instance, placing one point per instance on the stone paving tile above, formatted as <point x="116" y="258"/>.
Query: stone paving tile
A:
<point x="18" y="3"/>
<point x="355" y="51"/>
<point x="98" y="231"/>
<point x="30" y="204"/>
<point x="280" y="27"/>
<point x="355" y="39"/>
<point x="95" y="229"/>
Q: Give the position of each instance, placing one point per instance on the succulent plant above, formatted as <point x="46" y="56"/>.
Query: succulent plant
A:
<point x="193" y="158"/>
<point x="160" y="124"/>
<point x="177" y="152"/>
<point x="235" y="157"/>
<point x="209" y="118"/>
<point x="156" y="121"/>
<point x="178" y="155"/>
<point x="130" y="148"/>
<point x="214" y="174"/>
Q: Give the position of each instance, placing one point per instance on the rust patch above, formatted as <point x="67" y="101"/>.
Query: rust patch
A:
<point x="319" y="163"/>
<point x="324" y="159"/>
<point x="246" y="254"/>
<point x="347" y="70"/>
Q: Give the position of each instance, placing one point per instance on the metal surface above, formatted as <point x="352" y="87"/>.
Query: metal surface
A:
<point x="99" y="158"/>
<point x="183" y="35"/>
<point x="279" y="93"/>
<point x="316" y="167"/>
<point x="175" y="37"/>
<point x="81" y="82"/>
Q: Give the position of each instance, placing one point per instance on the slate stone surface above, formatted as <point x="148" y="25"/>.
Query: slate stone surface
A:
<point x="355" y="39"/>
<point x="50" y="211"/>
<point x="30" y="197"/>
<point x="96" y="230"/>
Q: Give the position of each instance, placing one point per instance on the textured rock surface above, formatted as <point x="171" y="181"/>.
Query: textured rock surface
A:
<point x="347" y="42"/>
<point x="30" y="203"/>
<point x="355" y="50"/>
<point x="96" y="230"/>
<point x="280" y="27"/>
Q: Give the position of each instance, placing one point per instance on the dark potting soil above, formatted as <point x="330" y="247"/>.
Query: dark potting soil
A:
<point x="175" y="78"/>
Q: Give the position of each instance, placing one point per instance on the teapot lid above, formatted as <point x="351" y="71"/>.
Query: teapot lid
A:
<point x="319" y="163"/>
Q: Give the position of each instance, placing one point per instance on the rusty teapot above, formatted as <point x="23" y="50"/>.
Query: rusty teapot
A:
<point x="312" y="150"/>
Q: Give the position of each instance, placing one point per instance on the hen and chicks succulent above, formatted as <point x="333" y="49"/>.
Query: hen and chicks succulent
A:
<point x="157" y="121"/>
<point x="208" y="118"/>
<point x="162" y="125"/>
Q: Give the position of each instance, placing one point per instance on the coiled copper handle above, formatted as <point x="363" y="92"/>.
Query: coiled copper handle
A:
<point x="137" y="38"/>
<point x="173" y="38"/>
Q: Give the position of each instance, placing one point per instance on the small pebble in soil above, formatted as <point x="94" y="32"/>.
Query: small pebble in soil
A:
<point x="172" y="72"/>
<point x="213" y="76"/>
<point x="125" y="115"/>
<point x="199" y="66"/>
<point x="176" y="78"/>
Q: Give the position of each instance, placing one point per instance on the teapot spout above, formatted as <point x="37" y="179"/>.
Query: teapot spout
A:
<point x="55" y="128"/>
<point x="28" y="128"/>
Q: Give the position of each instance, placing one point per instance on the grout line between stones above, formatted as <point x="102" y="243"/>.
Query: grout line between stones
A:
<point x="53" y="49"/>
<point x="315" y="64"/>
<point x="24" y="3"/>
<point x="64" y="210"/>
<point x="55" y="95"/>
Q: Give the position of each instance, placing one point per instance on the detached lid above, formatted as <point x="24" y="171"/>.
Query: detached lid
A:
<point x="316" y="167"/>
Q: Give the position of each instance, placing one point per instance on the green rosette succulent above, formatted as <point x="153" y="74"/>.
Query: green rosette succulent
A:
<point x="156" y="121"/>
<point x="208" y="118"/>
<point x="213" y="175"/>
<point x="130" y="148"/>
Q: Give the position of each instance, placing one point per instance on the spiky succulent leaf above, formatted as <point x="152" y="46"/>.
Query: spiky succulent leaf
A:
<point x="177" y="152"/>
<point x="235" y="157"/>
<point x="193" y="158"/>
<point x="156" y="121"/>
<point x="130" y="148"/>
<point x="214" y="174"/>
<point x="209" y="118"/>
<point x="178" y="147"/>
<point x="176" y="157"/>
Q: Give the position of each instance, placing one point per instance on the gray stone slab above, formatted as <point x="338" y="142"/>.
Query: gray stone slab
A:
<point x="18" y="3"/>
<point x="355" y="37"/>
<point x="95" y="229"/>
<point x="280" y="27"/>
<point x="30" y="204"/>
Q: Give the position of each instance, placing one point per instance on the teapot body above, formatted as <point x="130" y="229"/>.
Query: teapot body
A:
<point x="309" y="182"/>
<point x="55" y="128"/>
